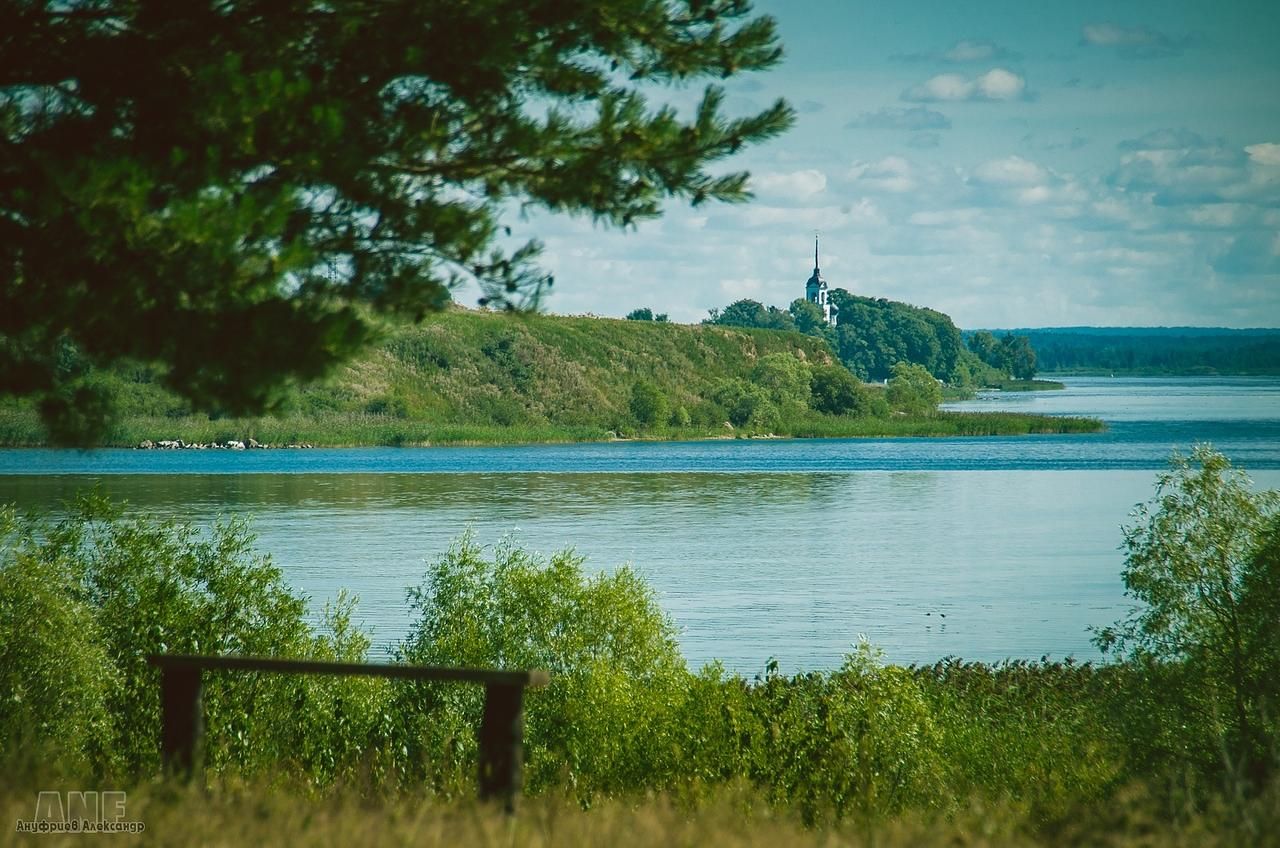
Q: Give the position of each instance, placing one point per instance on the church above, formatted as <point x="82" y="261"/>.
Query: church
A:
<point x="815" y="291"/>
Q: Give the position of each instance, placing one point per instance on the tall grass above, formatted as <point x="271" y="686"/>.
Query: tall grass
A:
<point x="268" y="815"/>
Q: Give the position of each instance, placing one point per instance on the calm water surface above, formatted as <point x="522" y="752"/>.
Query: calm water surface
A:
<point x="982" y="548"/>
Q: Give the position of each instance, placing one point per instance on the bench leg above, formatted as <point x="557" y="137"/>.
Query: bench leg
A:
<point x="501" y="744"/>
<point x="182" y="720"/>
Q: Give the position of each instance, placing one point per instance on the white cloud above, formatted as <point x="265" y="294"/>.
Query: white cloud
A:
<point x="944" y="217"/>
<point x="1179" y="167"/>
<point x="798" y="186"/>
<point x="1136" y="42"/>
<point x="892" y="174"/>
<point x="740" y="287"/>
<point x="941" y="87"/>
<point x="1218" y="216"/>
<point x="1011" y="171"/>
<point x="1113" y="35"/>
<point x="995" y="84"/>
<point x="1267" y="153"/>
<point x="828" y="218"/>
<point x="1000" y="84"/>
<point x="972" y="51"/>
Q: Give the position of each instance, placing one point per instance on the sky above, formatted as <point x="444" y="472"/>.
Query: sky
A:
<point x="1020" y="164"/>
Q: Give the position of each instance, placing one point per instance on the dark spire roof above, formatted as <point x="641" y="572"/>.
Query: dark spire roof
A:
<point x="816" y="279"/>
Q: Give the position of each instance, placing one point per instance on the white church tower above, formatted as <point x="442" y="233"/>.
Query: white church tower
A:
<point x="815" y="291"/>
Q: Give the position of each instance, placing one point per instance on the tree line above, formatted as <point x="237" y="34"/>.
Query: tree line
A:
<point x="875" y="334"/>
<point x="1158" y="350"/>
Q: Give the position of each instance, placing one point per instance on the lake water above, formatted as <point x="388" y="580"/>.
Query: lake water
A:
<point x="984" y="548"/>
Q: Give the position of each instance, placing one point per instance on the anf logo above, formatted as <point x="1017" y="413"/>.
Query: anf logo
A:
<point x="82" y="806"/>
<point x="80" y="812"/>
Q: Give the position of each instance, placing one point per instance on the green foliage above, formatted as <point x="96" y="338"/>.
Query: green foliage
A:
<point x="238" y="202"/>
<point x="1042" y="733"/>
<point x="874" y="334"/>
<point x="835" y="391"/>
<point x="988" y="349"/>
<point x="857" y="741"/>
<point x="646" y="314"/>
<point x="476" y="377"/>
<point x="1201" y="560"/>
<point x="648" y="404"/>
<point x="745" y="403"/>
<point x="1010" y="355"/>
<point x="752" y="313"/>
<point x="85" y="598"/>
<point x="1020" y="356"/>
<point x="612" y="653"/>
<point x="56" y="674"/>
<point x="807" y="316"/>
<point x="465" y="375"/>
<point x="785" y="378"/>
<point x="913" y="390"/>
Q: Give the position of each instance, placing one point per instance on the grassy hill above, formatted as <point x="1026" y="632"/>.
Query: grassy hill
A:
<point x="466" y="376"/>
<point x="477" y="368"/>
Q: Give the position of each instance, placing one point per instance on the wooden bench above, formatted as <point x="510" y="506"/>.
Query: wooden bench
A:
<point x="500" y="739"/>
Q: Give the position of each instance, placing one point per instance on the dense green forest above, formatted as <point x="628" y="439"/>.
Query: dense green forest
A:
<point x="1154" y="350"/>
<point x="476" y="376"/>
<point x="874" y="334"/>
<point x="1176" y="733"/>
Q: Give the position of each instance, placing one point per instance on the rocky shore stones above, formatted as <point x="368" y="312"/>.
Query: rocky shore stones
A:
<point x="229" y="444"/>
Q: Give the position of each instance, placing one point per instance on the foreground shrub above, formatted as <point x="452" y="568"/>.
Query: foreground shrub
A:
<point x="1203" y="562"/>
<point x="84" y="601"/>
<point x="616" y="668"/>
<point x="85" y="598"/>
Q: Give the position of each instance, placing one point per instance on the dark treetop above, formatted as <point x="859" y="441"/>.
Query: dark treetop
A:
<point x="235" y="190"/>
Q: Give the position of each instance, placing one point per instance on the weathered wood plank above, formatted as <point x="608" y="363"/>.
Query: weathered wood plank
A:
<point x="182" y="719"/>
<point x="534" y="678"/>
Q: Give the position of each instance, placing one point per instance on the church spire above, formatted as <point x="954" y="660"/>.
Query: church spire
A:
<point x="815" y="290"/>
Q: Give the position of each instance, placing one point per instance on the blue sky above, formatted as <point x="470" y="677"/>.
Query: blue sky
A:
<point x="1011" y="164"/>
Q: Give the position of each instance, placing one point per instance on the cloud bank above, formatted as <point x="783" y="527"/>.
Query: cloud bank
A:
<point x="1138" y="42"/>
<point x="996" y="84"/>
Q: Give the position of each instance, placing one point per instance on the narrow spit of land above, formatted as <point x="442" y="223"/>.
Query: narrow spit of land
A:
<point x="478" y="378"/>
